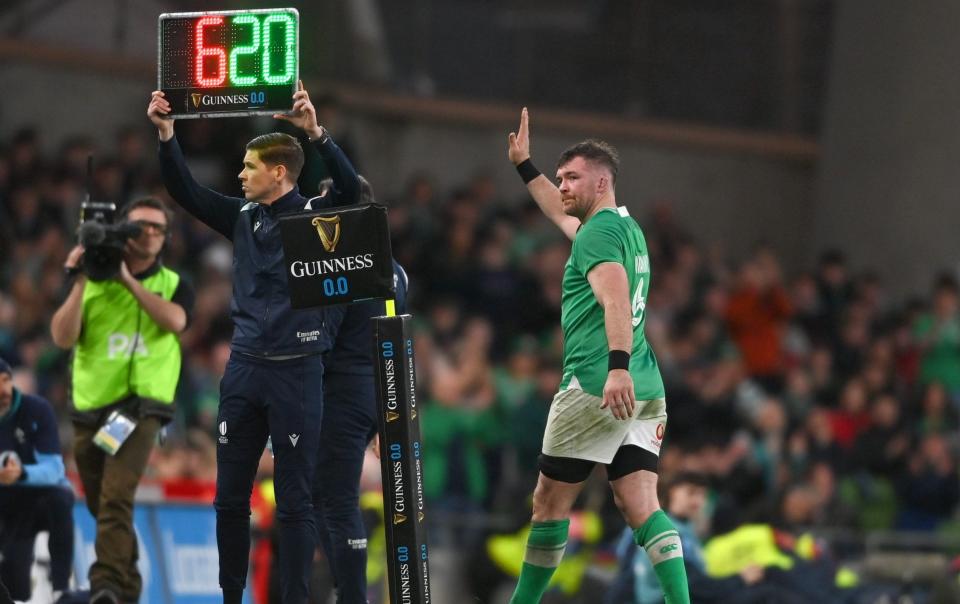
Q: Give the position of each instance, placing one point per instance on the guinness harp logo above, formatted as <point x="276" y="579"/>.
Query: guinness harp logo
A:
<point x="392" y="416"/>
<point x="328" y="229"/>
<point x="195" y="97"/>
<point x="399" y="518"/>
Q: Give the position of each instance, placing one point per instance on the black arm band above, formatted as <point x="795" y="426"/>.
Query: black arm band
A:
<point x="527" y="170"/>
<point x="618" y="359"/>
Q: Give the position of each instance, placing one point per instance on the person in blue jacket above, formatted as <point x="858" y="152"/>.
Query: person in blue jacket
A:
<point x="273" y="384"/>
<point x="685" y="498"/>
<point x="349" y="424"/>
<point x="34" y="492"/>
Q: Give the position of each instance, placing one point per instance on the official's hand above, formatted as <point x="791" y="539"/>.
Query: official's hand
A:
<point x="375" y="445"/>
<point x="618" y="394"/>
<point x="11" y="472"/>
<point x="752" y="574"/>
<point x="74" y="257"/>
<point x="518" y="143"/>
<point x="158" y="111"/>
<point x="303" y="115"/>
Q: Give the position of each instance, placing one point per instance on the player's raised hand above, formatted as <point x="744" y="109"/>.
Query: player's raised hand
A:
<point x="303" y="115"/>
<point x="518" y="143"/>
<point x="158" y="111"/>
<point x="618" y="394"/>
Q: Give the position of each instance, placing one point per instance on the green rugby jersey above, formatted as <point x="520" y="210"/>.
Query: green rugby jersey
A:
<point x="611" y="235"/>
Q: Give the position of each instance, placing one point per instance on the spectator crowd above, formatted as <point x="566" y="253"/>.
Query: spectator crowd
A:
<point x="809" y="399"/>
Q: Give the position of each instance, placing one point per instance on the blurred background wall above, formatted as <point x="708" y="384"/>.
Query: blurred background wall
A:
<point x="890" y="141"/>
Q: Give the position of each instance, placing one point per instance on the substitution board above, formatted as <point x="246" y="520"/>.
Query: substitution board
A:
<point x="229" y="63"/>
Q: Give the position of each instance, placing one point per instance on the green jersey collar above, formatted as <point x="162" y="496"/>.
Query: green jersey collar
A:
<point x="622" y="210"/>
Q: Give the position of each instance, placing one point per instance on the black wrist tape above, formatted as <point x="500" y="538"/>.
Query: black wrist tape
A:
<point x="527" y="170"/>
<point x="618" y="359"/>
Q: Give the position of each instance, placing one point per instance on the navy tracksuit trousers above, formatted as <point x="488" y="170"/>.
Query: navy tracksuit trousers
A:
<point x="283" y="400"/>
<point x="348" y="425"/>
<point x="24" y="512"/>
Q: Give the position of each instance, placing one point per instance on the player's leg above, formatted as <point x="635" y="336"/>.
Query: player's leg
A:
<point x="635" y="495"/>
<point x="560" y="481"/>
<point x="633" y="478"/>
<point x="56" y="512"/>
<point x="15" y="568"/>
<point x="242" y="435"/>
<point x="569" y="432"/>
<point x="348" y="424"/>
<point x="295" y="410"/>
<point x="19" y="531"/>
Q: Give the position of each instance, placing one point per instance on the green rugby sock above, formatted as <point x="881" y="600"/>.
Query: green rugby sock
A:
<point x="545" y="546"/>
<point x="661" y="541"/>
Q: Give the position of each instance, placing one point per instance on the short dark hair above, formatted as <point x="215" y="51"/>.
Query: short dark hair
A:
<point x="946" y="283"/>
<point x="684" y="477"/>
<point x="147" y="202"/>
<point x="832" y="257"/>
<point x="596" y="151"/>
<point x="279" y="149"/>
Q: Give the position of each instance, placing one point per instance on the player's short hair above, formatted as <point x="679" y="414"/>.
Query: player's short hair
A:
<point x="279" y="149"/>
<point x="596" y="151"/>
<point x="147" y="202"/>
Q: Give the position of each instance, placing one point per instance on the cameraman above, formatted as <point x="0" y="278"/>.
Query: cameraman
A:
<point x="34" y="492"/>
<point x="125" y="335"/>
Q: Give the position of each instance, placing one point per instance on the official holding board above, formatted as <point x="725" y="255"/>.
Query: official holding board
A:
<point x="295" y="267"/>
<point x="273" y="385"/>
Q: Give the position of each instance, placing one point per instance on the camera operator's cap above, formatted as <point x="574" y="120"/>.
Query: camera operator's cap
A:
<point x="5" y="367"/>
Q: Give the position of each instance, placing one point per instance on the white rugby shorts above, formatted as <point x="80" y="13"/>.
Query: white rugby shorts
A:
<point x="577" y="427"/>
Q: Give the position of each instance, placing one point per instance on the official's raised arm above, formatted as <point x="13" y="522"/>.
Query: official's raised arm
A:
<point x="303" y="115"/>
<point x="216" y="210"/>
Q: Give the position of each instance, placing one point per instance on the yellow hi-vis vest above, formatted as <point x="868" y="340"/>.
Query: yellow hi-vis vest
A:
<point x="121" y="350"/>
<point x="730" y="553"/>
